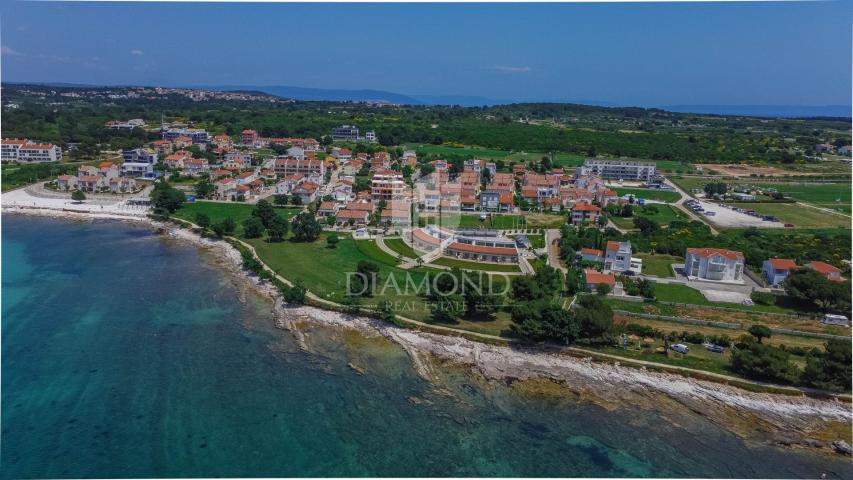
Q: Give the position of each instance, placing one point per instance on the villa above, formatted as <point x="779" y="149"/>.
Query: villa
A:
<point x="715" y="264"/>
<point x="617" y="256"/>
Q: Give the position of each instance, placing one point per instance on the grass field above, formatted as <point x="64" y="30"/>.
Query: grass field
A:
<point x="500" y="222"/>
<point x="650" y="194"/>
<point x="678" y="293"/>
<point x="399" y="246"/>
<point x="658" y="264"/>
<point x="537" y="241"/>
<point x="370" y="249"/>
<point x="466" y="265"/>
<point x="218" y="211"/>
<point x="324" y="270"/>
<point x="664" y="215"/>
<point x="819" y="193"/>
<point x="799" y="215"/>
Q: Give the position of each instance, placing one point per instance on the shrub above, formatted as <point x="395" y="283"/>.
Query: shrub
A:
<point x="764" y="298"/>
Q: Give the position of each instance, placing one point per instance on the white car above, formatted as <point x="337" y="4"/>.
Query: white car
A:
<point x="680" y="348"/>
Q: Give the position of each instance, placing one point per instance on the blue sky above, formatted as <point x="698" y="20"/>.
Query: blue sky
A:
<point x="795" y="53"/>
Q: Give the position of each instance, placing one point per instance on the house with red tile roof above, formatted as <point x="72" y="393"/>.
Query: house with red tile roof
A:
<point x="592" y="255"/>
<point x="585" y="213"/>
<point x="714" y="264"/>
<point x="776" y="270"/>
<point x="595" y="278"/>
<point x="831" y="272"/>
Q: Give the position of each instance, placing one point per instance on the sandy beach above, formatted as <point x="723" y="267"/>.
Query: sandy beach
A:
<point x="798" y="421"/>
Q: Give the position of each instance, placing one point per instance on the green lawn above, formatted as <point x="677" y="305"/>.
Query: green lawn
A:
<point x="401" y="247"/>
<point x="465" y="265"/>
<point x="678" y="293"/>
<point x="370" y="249"/>
<point x="218" y="211"/>
<point x="650" y="194"/>
<point x="822" y="193"/>
<point x="799" y="215"/>
<point x="659" y="264"/>
<point x="537" y="241"/>
<point x="324" y="271"/>
<point x="500" y="222"/>
<point x="664" y="215"/>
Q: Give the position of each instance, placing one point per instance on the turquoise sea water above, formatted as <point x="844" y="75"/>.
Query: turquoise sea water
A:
<point x="125" y="354"/>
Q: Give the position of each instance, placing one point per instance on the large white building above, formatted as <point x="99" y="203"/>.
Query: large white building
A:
<point x="715" y="264"/>
<point x="138" y="162"/>
<point x="619" y="169"/>
<point x="24" y="151"/>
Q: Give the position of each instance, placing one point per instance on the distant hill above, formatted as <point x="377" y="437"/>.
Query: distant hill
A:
<point x="784" y="111"/>
<point x="323" y="94"/>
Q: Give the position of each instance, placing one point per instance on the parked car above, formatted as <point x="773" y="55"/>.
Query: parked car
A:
<point x="680" y="348"/>
<point x="789" y="225"/>
<point x="712" y="347"/>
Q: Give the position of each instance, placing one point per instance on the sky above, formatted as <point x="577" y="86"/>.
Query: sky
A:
<point x="786" y="53"/>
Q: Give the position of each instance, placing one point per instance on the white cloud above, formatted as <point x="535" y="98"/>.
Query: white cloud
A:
<point x="4" y="50"/>
<point x="136" y="51"/>
<point x="508" y="69"/>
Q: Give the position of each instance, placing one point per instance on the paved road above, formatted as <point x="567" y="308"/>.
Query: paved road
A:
<point x="552" y="242"/>
<point x="690" y="213"/>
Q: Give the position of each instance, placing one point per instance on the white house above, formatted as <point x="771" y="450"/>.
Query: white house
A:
<point x="775" y="270"/>
<point x="617" y="256"/>
<point x="714" y="264"/>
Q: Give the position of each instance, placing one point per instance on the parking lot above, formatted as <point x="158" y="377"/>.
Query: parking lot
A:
<point x="725" y="216"/>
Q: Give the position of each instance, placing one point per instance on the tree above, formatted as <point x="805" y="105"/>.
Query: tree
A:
<point x="295" y="200"/>
<point x="525" y="288"/>
<point x="277" y="229"/>
<point x="218" y="229"/>
<point x="229" y="226"/>
<point x="763" y="362"/>
<point x="448" y="308"/>
<point x="306" y="228"/>
<point x="253" y="227"/>
<point x="715" y="188"/>
<point x="280" y="200"/>
<point x="646" y="226"/>
<point x="332" y="240"/>
<point x="204" y="189"/>
<point x="810" y="285"/>
<point x="594" y="317"/>
<point x="166" y="198"/>
<point x="265" y="213"/>
<point x="759" y="332"/>
<point x="78" y="196"/>
<point x="368" y="271"/>
<point x="202" y="220"/>
<point x="830" y="370"/>
<point x="602" y="289"/>
<point x="294" y="294"/>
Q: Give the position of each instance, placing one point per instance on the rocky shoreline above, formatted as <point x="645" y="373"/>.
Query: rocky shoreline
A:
<point x="821" y="425"/>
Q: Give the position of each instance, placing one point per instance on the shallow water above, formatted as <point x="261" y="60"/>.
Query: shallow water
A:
<point x="125" y="354"/>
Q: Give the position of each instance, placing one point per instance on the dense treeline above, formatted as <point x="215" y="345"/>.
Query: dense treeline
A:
<point x="581" y="129"/>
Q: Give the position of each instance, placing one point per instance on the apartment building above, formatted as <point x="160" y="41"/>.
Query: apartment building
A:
<point x="619" y="169"/>
<point x="387" y="185"/>
<point x="138" y="162"/>
<point x="314" y="169"/>
<point x="345" y="132"/>
<point x="39" y="153"/>
<point x="249" y="137"/>
<point x="196" y="135"/>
